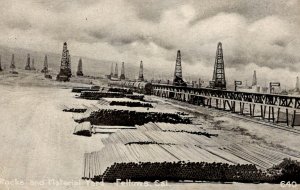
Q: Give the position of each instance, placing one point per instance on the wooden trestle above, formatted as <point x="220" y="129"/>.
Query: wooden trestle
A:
<point x="271" y="107"/>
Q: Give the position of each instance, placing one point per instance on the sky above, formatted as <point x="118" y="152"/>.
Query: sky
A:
<point x="261" y="35"/>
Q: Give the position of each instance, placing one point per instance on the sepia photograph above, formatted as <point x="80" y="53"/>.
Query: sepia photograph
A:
<point x="149" y="94"/>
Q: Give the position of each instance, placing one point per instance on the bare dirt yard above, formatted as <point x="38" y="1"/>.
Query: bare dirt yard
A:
<point x="39" y="151"/>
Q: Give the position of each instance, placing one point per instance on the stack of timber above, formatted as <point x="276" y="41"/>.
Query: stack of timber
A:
<point x="83" y="129"/>
<point x="131" y="117"/>
<point x="124" y="102"/>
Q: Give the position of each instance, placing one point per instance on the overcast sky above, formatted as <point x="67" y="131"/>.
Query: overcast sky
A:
<point x="256" y="34"/>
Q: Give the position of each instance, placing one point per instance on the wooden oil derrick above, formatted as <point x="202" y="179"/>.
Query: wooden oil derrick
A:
<point x="141" y="72"/>
<point x="178" y="80"/>
<point x="122" y="76"/>
<point x="0" y="64"/>
<point x="27" y="67"/>
<point x="45" y="68"/>
<point x="218" y="80"/>
<point x="254" y="80"/>
<point x="65" y="67"/>
<point x="12" y="64"/>
<point x="116" y="71"/>
<point x="297" y="87"/>
<point x="32" y="65"/>
<point x="79" y="68"/>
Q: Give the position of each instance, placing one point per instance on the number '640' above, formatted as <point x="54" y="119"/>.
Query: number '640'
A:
<point x="288" y="184"/>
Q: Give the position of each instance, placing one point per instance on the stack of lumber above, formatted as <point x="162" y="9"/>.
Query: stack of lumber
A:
<point x="83" y="129"/>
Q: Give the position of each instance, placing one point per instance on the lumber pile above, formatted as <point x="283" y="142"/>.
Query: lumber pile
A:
<point x="83" y="129"/>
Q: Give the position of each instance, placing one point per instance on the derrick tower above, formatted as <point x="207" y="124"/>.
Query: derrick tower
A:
<point x="112" y="70"/>
<point x="79" y="68"/>
<point x="116" y="71"/>
<point x="0" y="64"/>
<point x="65" y="67"/>
<point x="12" y="64"/>
<point x="27" y="67"/>
<point x="219" y="81"/>
<point x="32" y="65"/>
<point x="297" y="87"/>
<point x="141" y="72"/>
<point x="122" y="76"/>
<point x="45" y="68"/>
<point x="254" y="80"/>
<point x="178" y="80"/>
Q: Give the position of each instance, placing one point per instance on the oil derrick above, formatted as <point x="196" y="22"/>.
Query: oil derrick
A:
<point x="27" y="67"/>
<point x="65" y="67"/>
<point x="0" y="64"/>
<point x="32" y="65"/>
<point x="45" y="68"/>
<point x="12" y="64"/>
<point x="219" y="81"/>
<point x="297" y="88"/>
<point x="112" y="70"/>
<point x="116" y="71"/>
<point x="122" y="76"/>
<point x="254" y="80"/>
<point x="79" y="69"/>
<point x="141" y="72"/>
<point x="178" y="80"/>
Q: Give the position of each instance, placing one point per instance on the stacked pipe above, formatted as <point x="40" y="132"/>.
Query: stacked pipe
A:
<point x="84" y="88"/>
<point x="96" y="95"/>
<point x="131" y="117"/>
<point x="175" y="171"/>
<point x="83" y="129"/>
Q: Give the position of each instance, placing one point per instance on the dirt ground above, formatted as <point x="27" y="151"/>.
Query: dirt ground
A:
<point x="39" y="150"/>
